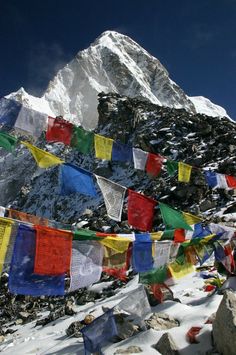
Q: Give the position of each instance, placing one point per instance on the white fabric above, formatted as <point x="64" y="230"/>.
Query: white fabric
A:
<point x="113" y="195"/>
<point x="2" y="211"/>
<point x="140" y="158"/>
<point x="162" y="253"/>
<point x="31" y="121"/>
<point x="86" y="263"/>
<point x="228" y="232"/>
<point x="130" y="236"/>
<point x="189" y="234"/>
<point x="221" y="181"/>
<point x="136" y="303"/>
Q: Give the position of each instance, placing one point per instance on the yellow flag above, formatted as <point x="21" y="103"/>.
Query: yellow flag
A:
<point x="119" y="244"/>
<point x="191" y="219"/>
<point x="180" y="270"/>
<point x="5" y="233"/>
<point x="184" y="172"/>
<point x="156" y="235"/>
<point x="43" y="159"/>
<point x="103" y="147"/>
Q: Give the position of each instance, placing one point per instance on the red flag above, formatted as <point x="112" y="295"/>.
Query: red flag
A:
<point x="179" y="235"/>
<point x="53" y="251"/>
<point x="154" y="164"/>
<point x="231" y="181"/>
<point x="59" y="130"/>
<point x="140" y="211"/>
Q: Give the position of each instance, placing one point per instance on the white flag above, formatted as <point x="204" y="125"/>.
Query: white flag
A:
<point x="113" y="195"/>
<point x="86" y="263"/>
<point x="31" y="121"/>
<point x="140" y="158"/>
<point x="136" y="303"/>
<point x="221" y="181"/>
<point x="162" y="253"/>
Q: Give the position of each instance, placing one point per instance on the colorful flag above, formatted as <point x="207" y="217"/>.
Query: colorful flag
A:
<point x="85" y="234"/>
<point x="103" y="147"/>
<point x="180" y="270"/>
<point x="59" y="130"/>
<point x="140" y="158"/>
<point x="5" y="234"/>
<point x="156" y="276"/>
<point x="191" y="219"/>
<point x="231" y="181"/>
<point x="172" y="217"/>
<point x="74" y="179"/>
<point x="154" y="164"/>
<point x="142" y="256"/>
<point x="26" y="217"/>
<point x="161" y="253"/>
<point x="140" y="211"/>
<point x="9" y="110"/>
<point x="221" y="181"/>
<point x="86" y="264"/>
<point x="210" y="178"/>
<point x="122" y="152"/>
<point x="53" y="251"/>
<point x="172" y="167"/>
<point x="184" y="172"/>
<point x="7" y="141"/>
<point x="22" y="279"/>
<point x="97" y="333"/>
<point x="42" y="158"/>
<point x="31" y="122"/>
<point x="179" y="235"/>
<point x="119" y="244"/>
<point x="113" y="195"/>
<point x="82" y="140"/>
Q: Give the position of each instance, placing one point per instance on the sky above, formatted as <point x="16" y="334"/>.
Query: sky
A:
<point x="194" y="40"/>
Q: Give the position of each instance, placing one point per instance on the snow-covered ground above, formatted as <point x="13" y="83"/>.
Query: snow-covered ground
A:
<point x="195" y="308"/>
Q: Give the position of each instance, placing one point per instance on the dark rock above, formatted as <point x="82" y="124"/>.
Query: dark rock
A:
<point x="130" y="350"/>
<point x="74" y="329"/>
<point x="125" y="328"/>
<point x="166" y="345"/>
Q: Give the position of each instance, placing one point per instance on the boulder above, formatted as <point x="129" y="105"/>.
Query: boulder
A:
<point x="224" y="325"/>
<point x="161" y="321"/>
<point x="166" y="345"/>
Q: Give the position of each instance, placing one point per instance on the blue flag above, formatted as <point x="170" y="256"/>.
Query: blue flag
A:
<point x="143" y="237"/>
<point x="74" y="179"/>
<point x="22" y="279"/>
<point x="210" y="178"/>
<point x="142" y="256"/>
<point x="200" y="231"/>
<point x="98" y="332"/>
<point x="122" y="152"/>
<point x="9" y="110"/>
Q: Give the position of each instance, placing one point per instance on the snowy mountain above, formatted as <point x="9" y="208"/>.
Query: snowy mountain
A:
<point x="113" y="63"/>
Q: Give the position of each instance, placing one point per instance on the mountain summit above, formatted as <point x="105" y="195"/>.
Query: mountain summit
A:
<point x="113" y="63"/>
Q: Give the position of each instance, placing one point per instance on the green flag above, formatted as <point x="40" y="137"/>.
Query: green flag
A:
<point x="168" y="234"/>
<point x="156" y="276"/>
<point x="85" y="234"/>
<point x="82" y="140"/>
<point x="172" y="167"/>
<point x="173" y="218"/>
<point x="7" y="141"/>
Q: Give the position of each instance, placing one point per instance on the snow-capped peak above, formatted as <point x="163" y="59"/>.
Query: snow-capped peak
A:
<point x="205" y="106"/>
<point x="112" y="63"/>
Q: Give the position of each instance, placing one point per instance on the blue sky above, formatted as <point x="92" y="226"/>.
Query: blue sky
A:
<point x="194" y="40"/>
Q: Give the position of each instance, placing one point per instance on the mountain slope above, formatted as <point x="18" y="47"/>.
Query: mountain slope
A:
<point x="113" y="63"/>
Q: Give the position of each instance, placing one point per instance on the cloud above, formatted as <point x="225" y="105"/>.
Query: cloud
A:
<point x="44" y="62"/>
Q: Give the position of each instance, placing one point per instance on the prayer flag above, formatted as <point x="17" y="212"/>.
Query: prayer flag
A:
<point x="172" y="217"/>
<point x="31" y="121"/>
<point x="103" y="147"/>
<point x="113" y="259"/>
<point x="156" y="235"/>
<point x="172" y="167"/>
<point x="53" y="251"/>
<point x="59" y="130"/>
<point x="9" y="110"/>
<point x="74" y="179"/>
<point x="26" y="217"/>
<point x="179" y="235"/>
<point x="86" y="264"/>
<point x="22" y="279"/>
<point x="156" y="276"/>
<point x="184" y="172"/>
<point x="119" y="244"/>
<point x="231" y="181"/>
<point x="85" y="234"/>
<point x="200" y="231"/>
<point x="7" y="141"/>
<point x="221" y="181"/>
<point x="136" y="303"/>
<point x="210" y="178"/>
<point x="140" y="158"/>
<point x="143" y="237"/>
<point x="154" y="164"/>
<point x="43" y="159"/>
<point x="180" y="270"/>
<point x="82" y="140"/>
<point x="191" y="219"/>
<point x="142" y="256"/>
<point x="122" y="152"/>
<point x="140" y="211"/>
<point x="113" y="195"/>
<point x="98" y="332"/>
<point x="5" y="234"/>
<point x="161" y="254"/>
